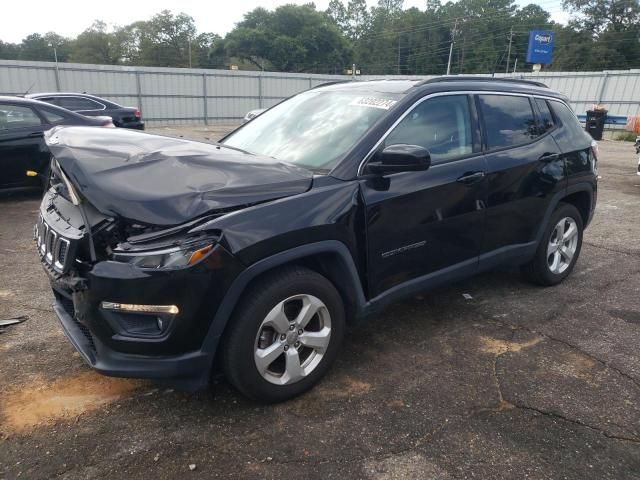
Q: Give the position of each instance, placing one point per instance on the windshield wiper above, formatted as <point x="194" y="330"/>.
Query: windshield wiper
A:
<point x="222" y="145"/>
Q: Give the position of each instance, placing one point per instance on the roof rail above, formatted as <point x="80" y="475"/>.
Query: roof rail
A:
<point x="467" y="78"/>
<point x="330" y="82"/>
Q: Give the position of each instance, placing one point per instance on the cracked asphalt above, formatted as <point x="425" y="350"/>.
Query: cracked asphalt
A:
<point x="516" y="382"/>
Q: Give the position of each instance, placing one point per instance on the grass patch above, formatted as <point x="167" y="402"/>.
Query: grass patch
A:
<point x="626" y="137"/>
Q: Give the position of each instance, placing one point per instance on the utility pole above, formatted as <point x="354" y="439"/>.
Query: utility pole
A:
<point x="189" y="52"/>
<point x="515" y="65"/>
<point x="353" y="72"/>
<point x="55" y="58"/>
<point x="509" y="50"/>
<point x="399" y="35"/>
<point x="453" y="36"/>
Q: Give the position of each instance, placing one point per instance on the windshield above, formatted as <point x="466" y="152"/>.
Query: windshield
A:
<point x="314" y="129"/>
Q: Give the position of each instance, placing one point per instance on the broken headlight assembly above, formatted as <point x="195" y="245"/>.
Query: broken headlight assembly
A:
<point x="165" y="258"/>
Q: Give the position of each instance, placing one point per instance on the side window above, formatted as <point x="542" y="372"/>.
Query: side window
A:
<point x="508" y="120"/>
<point x="53" y="116"/>
<point x="546" y="119"/>
<point x="567" y="118"/>
<point x="17" y="116"/>
<point x="78" y="103"/>
<point x="442" y="125"/>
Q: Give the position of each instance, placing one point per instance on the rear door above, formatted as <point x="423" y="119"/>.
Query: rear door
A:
<point x="525" y="170"/>
<point x="429" y="222"/>
<point x="22" y="145"/>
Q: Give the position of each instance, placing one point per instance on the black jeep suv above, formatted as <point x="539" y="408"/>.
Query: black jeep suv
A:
<point x="168" y="258"/>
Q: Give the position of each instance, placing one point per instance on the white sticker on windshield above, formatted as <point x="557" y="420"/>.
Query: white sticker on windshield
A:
<point x="373" y="102"/>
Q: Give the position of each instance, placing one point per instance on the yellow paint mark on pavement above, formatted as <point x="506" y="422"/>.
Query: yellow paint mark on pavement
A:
<point x="42" y="402"/>
<point x="499" y="347"/>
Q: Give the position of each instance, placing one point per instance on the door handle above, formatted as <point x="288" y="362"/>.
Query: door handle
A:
<point x="470" y="178"/>
<point x="36" y="134"/>
<point x="549" y="157"/>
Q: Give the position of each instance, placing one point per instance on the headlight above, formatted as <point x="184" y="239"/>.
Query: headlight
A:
<point x="166" y="258"/>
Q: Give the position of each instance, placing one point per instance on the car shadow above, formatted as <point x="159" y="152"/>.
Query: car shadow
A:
<point x="17" y="194"/>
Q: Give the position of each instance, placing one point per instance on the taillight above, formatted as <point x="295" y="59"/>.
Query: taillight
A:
<point x="594" y="149"/>
<point x="137" y="114"/>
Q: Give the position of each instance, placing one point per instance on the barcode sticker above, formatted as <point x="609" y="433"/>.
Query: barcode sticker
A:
<point x="373" y="102"/>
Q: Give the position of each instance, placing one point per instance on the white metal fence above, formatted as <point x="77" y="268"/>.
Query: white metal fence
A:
<point x="182" y="96"/>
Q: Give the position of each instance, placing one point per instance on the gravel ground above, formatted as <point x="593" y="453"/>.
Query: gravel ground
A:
<point x="515" y="382"/>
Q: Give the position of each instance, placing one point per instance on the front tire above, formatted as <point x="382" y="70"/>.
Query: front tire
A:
<point x="285" y="335"/>
<point x="559" y="248"/>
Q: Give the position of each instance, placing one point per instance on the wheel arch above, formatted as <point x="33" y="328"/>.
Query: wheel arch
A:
<point x="580" y="195"/>
<point x="330" y="258"/>
<point x="582" y="200"/>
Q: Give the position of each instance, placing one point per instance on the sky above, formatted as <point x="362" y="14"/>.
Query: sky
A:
<point x="70" y="17"/>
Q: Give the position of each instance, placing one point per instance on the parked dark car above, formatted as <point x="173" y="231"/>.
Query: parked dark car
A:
<point x="169" y="258"/>
<point x="92" y="106"/>
<point x="22" y="146"/>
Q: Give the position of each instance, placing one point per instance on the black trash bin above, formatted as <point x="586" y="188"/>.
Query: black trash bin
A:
<point x="595" y="123"/>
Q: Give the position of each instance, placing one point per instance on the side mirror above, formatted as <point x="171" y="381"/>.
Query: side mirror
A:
<point x="400" y="158"/>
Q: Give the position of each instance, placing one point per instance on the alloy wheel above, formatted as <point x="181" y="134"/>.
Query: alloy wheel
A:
<point x="292" y="339"/>
<point x="562" y="246"/>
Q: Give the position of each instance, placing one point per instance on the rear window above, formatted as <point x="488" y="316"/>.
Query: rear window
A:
<point x="546" y="119"/>
<point x="509" y="120"/>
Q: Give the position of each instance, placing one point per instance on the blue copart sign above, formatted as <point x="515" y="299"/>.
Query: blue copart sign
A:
<point x="540" y="47"/>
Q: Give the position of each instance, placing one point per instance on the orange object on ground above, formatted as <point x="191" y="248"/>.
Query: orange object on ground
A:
<point x="633" y="124"/>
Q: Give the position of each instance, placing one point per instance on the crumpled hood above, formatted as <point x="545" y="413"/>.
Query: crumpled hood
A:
<point x="166" y="181"/>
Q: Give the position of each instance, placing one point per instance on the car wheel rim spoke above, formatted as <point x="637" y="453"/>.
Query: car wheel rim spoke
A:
<point x="310" y="306"/>
<point x="277" y="319"/>
<point x="317" y="340"/>
<point x="293" y="370"/>
<point x="566" y="253"/>
<point x="292" y="339"/>
<point x="266" y="356"/>
<point x="571" y="232"/>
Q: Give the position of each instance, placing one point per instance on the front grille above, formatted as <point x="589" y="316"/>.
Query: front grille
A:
<point x="53" y="248"/>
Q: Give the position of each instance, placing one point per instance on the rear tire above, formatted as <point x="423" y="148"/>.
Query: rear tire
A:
<point x="559" y="248"/>
<point x="285" y="335"/>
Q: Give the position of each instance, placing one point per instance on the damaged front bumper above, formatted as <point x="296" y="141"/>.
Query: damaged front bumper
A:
<point x="172" y="344"/>
<point x="190" y="371"/>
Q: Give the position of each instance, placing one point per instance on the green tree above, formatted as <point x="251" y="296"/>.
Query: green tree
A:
<point x="291" y="38"/>
<point x="164" y="41"/>
<point x="97" y="45"/>
<point x="9" y="51"/>
<point x="40" y="47"/>
<point x="600" y="15"/>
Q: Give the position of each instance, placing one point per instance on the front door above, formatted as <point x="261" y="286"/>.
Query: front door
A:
<point x="22" y="145"/>
<point x="428" y="223"/>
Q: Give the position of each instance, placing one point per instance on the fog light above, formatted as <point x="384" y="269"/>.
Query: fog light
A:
<point x="135" y="308"/>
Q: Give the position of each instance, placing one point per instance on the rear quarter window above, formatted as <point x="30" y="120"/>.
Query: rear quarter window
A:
<point x="546" y="118"/>
<point x="567" y="118"/>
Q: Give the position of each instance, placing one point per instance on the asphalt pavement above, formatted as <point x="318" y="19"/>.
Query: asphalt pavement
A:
<point x="507" y="381"/>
